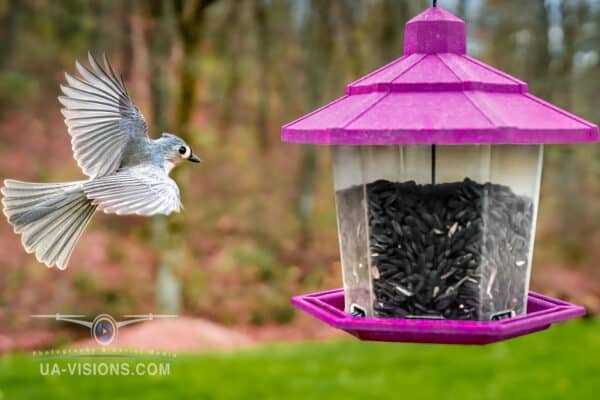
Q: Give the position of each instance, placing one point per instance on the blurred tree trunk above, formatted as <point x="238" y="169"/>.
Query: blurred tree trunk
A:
<point x="126" y="49"/>
<point x="10" y="21"/>
<point x="263" y="53"/>
<point x="502" y="30"/>
<point x="228" y="42"/>
<point x="160" y="39"/>
<point x="160" y="42"/>
<point x="284" y="87"/>
<point x="461" y="9"/>
<point x="345" y="20"/>
<point x="393" y="14"/>
<point x="190" y="17"/>
<point x="103" y="34"/>
<point x="317" y="64"/>
<point x="187" y="18"/>
<point x="539" y="65"/>
<point x="572" y="205"/>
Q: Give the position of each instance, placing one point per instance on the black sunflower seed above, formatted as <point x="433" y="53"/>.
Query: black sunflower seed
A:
<point x="457" y="249"/>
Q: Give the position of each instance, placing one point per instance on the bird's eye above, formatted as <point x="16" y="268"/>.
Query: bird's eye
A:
<point x="184" y="151"/>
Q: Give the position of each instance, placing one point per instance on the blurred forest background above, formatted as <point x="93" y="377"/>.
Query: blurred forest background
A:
<point x="259" y="220"/>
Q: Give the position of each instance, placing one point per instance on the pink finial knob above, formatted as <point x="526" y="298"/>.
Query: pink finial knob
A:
<point x="435" y="31"/>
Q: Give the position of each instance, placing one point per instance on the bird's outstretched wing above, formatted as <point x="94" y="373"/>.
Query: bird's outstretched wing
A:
<point x="101" y="117"/>
<point x="141" y="190"/>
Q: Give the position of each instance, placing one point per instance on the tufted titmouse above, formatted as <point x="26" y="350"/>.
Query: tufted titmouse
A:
<point x="128" y="172"/>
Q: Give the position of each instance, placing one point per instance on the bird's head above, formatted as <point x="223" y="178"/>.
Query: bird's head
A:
<point x="176" y="149"/>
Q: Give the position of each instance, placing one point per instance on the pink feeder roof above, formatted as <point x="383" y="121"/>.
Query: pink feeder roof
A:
<point x="436" y="94"/>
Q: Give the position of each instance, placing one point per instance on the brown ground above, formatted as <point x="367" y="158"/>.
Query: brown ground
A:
<point x="196" y="334"/>
<point x="182" y="334"/>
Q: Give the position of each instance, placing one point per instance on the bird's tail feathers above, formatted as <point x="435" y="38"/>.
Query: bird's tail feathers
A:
<point x="50" y="217"/>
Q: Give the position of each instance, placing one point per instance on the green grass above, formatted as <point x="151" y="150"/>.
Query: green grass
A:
<point x="561" y="363"/>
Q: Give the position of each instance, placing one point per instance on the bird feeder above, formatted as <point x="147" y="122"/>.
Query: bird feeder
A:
<point x="437" y="165"/>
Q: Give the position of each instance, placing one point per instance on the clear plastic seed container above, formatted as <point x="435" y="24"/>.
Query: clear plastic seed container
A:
<point x="437" y="232"/>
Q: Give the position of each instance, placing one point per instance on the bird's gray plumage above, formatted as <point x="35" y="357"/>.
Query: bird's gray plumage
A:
<point x="140" y="190"/>
<point x="128" y="171"/>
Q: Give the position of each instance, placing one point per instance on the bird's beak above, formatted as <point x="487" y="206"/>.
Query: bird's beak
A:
<point x="194" y="158"/>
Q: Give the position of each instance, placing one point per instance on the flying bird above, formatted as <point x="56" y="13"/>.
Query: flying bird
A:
<point x="128" y="172"/>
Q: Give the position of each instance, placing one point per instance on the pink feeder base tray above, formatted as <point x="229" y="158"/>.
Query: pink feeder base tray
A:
<point x="542" y="311"/>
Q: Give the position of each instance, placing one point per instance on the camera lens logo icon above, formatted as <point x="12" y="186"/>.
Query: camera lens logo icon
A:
<point x="104" y="329"/>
